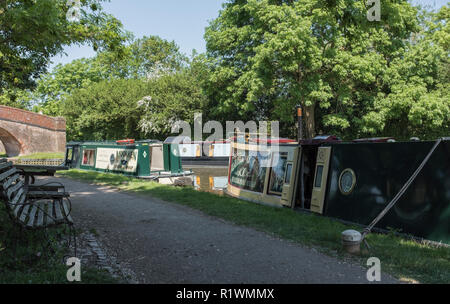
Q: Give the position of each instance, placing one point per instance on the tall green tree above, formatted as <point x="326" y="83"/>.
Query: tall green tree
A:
<point x="53" y="87"/>
<point x="32" y="31"/>
<point x="145" y="58"/>
<point x="16" y="98"/>
<point x="324" y="55"/>
<point x="418" y="100"/>
<point x="133" y="108"/>
<point x="171" y="97"/>
<point x="104" y="110"/>
<point x="153" y="56"/>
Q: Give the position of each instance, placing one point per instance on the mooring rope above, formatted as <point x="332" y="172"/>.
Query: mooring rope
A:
<point x="405" y="187"/>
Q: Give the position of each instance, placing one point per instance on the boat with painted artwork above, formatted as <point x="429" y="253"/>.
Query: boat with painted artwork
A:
<point x="351" y="181"/>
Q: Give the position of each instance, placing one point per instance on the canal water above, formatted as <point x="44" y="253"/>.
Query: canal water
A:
<point x="209" y="179"/>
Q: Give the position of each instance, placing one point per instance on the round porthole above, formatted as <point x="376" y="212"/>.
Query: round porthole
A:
<point x="347" y="181"/>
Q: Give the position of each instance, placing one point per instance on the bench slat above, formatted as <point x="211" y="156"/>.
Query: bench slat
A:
<point x="40" y="216"/>
<point x="5" y="165"/>
<point x="16" y="198"/>
<point x="7" y="173"/>
<point x="57" y="207"/>
<point x="16" y="210"/>
<point x="49" y="214"/>
<point x="14" y="188"/>
<point x="19" y="203"/>
<point x="65" y="205"/>
<point x="32" y="215"/>
<point x="10" y="180"/>
<point x="44" y="188"/>
<point x="49" y="194"/>
<point x="24" y="213"/>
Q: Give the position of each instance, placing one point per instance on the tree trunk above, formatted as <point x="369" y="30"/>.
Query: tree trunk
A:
<point x="310" y="124"/>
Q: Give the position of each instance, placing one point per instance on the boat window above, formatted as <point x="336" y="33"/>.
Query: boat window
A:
<point x="157" y="158"/>
<point x="318" y="181"/>
<point x="277" y="172"/>
<point x="88" y="157"/>
<point x="247" y="170"/>
<point x="69" y="155"/>
<point x="287" y="179"/>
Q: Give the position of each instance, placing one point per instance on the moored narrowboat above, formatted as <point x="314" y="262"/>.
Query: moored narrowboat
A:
<point x="201" y="153"/>
<point x="143" y="159"/>
<point x="351" y="181"/>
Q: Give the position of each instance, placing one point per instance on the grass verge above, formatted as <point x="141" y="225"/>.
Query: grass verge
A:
<point x="33" y="257"/>
<point x="404" y="259"/>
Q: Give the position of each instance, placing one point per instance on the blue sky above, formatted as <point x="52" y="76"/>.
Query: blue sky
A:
<point x="179" y="20"/>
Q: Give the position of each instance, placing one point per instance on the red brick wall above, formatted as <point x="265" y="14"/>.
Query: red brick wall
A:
<point x="24" y="132"/>
<point x="31" y="118"/>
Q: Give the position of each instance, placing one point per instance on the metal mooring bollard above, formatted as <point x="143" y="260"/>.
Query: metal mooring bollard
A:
<point x="351" y="241"/>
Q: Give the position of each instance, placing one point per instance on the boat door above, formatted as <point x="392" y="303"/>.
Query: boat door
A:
<point x="320" y="179"/>
<point x="290" y="180"/>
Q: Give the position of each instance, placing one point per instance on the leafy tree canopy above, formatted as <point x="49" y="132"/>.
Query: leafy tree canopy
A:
<point x="145" y="58"/>
<point x="32" y="31"/>
<point x="417" y="100"/>
<point x="325" y="55"/>
<point x="132" y="108"/>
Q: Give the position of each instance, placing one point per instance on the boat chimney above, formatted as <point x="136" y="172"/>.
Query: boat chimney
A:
<point x="300" y="123"/>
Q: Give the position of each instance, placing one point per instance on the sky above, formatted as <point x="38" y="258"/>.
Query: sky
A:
<point x="183" y="21"/>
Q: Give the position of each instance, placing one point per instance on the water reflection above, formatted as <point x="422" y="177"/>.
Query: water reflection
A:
<point x="210" y="179"/>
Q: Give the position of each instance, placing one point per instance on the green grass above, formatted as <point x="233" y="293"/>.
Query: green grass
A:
<point x="43" y="155"/>
<point x="404" y="259"/>
<point x="32" y="257"/>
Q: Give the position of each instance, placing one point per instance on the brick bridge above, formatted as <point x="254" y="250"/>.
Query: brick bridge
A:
<point x="23" y="132"/>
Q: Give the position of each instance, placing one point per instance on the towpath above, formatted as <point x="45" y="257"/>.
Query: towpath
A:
<point x="162" y="242"/>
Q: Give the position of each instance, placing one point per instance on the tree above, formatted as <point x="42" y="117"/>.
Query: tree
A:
<point x="116" y="108"/>
<point x="31" y="32"/>
<point x="143" y="59"/>
<point x="325" y="55"/>
<point x="104" y="110"/>
<point x="172" y="97"/>
<point x="153" y="56"/>
<point x="64" y="79"/>
<point x="16" y="98"/>
<point x="417" y="103"/>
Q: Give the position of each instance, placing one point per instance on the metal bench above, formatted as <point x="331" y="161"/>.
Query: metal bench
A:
<point x="33" y="206"/>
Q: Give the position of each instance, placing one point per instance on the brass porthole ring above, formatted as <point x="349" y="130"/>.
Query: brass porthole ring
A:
<point x="347" y="181"/>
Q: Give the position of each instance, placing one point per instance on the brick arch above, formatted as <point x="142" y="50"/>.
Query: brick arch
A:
<point x="10" y="143"/>
<point x="25" y="132"/>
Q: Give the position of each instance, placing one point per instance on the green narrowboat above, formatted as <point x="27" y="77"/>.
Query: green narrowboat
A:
<point x="143" y="159"/>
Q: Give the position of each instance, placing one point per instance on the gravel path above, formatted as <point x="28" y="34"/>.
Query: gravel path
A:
<point x="161" y="242"/>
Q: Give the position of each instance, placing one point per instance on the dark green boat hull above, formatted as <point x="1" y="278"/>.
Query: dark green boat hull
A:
<point x="381" y="169"/>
